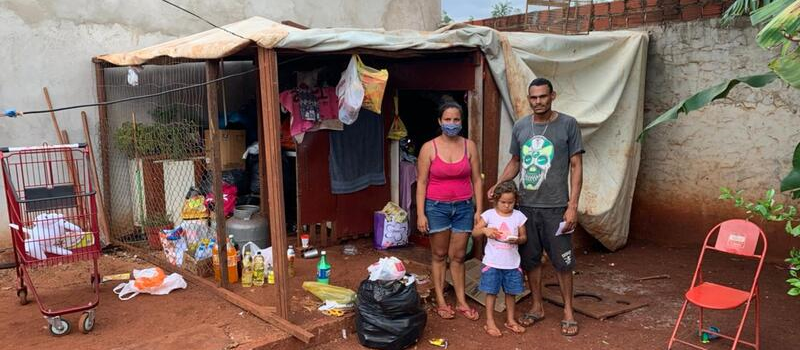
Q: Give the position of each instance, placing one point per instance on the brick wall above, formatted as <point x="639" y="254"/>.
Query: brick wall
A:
<point x="611" y="15"/>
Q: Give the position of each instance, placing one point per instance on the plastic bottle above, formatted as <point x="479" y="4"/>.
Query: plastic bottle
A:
<point x="258" y="270"/>
<point x="290" y="256"/>
<point x="247" y="270"/>
<point x="233" y="273"/>
<point x="270" y="275"/>
<point x="215" y="259"/>
<point x="238" y="256"/>
<point x="323" y="269"/>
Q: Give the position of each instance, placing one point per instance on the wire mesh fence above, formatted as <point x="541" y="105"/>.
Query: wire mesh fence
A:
<point x="159" y="175"/>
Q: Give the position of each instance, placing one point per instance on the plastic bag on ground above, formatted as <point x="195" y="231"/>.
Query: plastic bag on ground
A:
<point x="150" y="281"/>
<point x="350" y="92"/>
<point x="387" y="269"/>
<point x="389" y="315"/>
<point x="326" y="292"/>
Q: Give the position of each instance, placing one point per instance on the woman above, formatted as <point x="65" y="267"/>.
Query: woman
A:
<point x="449" y="185"/>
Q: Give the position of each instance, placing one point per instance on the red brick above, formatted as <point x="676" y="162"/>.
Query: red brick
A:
<point x="633" y="4"/>
<point x="650" y="3"/>
<point x="617" y="7"/>
<point x="585" y="10"/>
<point x="543" y="16"/>
<point x="688" y="2"/>
<point x="672" y="11"/>
<point x="653" y="17"/>
<point x="690" y="12"/>
<point x="619" y="22"/>
<point x="668" y="3"/>
<point x="635" y="20"/>
<point x="600" y="9"/>
<point x="712" y="9"/>
<point x="601" y="23"/>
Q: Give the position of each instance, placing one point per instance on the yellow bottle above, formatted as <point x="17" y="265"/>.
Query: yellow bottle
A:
<point x="271" y="276"/>
<point x="247" y="270"/>
<point x="215" y="259"/>
<point x="258" y="270"/>
<point x="233" y="273"/>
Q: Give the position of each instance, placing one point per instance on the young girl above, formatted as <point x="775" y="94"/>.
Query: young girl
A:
<point x="504" y="228"/>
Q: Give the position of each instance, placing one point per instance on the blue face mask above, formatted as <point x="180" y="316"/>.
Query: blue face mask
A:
<point x="451" y="129"/>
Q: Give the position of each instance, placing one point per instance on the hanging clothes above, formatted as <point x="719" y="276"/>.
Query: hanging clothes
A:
<point x="327" y="106"/>
<point x="408" y="176"/>
<point x="356" y="155"/>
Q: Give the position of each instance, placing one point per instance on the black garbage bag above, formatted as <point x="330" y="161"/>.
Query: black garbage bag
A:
<point x="389" y="315"/>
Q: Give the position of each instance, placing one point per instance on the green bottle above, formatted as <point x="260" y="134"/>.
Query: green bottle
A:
<point x="323" y="269"/>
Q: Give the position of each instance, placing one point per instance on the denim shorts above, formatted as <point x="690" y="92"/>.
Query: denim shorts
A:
<point x="492" y="279"/>
<point x="455" y="216"/>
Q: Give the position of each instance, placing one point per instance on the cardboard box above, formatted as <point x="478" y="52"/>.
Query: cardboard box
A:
<point x="473" y="280"/>
<point x="231" y="146"/>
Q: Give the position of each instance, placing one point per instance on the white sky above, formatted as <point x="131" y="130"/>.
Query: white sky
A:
<point x="460" y="10"/>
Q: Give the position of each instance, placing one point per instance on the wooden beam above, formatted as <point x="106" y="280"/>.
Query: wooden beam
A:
<point x="475" y="107"/>
<point x="265" y="313"/>
<point x="271" y="155"/>
<point x="105" y="231"/>
<point x="263" y="197"/>
<point x="491" y="127"/>
<point x="212" y="72"/>
<point x="68" y="157"/>
<point x="102" y="112"/>
<point x="294" y="24"/>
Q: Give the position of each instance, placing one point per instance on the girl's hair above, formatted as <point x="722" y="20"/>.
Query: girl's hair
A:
<point x="505" y="187"/>
<point x="447" y="104"/>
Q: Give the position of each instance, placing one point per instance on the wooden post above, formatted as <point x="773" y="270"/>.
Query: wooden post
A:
<point x="73" y="171"/>
<point x="105" y="233"/>
<point x="491" y="127"/>
<point x="271" y="155"/>
<point x="475" y="106"/>
<point x="212" y="72"/>
<point x="102" y="112"/>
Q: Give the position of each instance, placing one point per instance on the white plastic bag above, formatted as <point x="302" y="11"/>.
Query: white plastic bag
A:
<point x="142" y="283"/>
<point x="387" y="269"/>
<point x="350" y="91"/>
<point x="266" y="252"/>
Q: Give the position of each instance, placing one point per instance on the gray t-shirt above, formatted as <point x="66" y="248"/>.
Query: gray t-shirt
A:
<point x="544" y="150"/>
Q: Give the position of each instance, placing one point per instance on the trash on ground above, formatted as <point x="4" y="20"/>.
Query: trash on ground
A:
<point x="440" y="342"/>
<point x="326" y="293"/>
<point x="387" y="269"/>
<point x="117" y="277"/>
<point x="150" y="281"/>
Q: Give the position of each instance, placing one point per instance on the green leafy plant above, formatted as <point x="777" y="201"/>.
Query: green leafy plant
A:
<point x="173" y="140"/>
<point x="767" y="209"/>
<point x="157" y="220"/>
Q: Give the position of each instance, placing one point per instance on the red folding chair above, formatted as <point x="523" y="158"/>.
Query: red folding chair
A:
<point x="737" y="237"/>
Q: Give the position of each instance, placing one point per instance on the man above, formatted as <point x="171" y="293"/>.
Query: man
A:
<point x="547" y="148"/>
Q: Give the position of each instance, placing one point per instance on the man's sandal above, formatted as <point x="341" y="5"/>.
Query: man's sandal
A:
<point x="566" y="326"/>
<point x="529" y="319"/>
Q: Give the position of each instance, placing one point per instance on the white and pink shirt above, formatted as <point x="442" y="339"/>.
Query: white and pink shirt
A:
<point x="498" y="254"/>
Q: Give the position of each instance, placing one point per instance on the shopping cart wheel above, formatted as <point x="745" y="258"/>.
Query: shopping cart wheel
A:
<point x="86" y="322"/>
<point x="59" y="326"/>
<point x="22" y="294"/>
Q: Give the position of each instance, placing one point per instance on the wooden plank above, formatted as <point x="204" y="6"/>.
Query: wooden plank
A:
<point x="62" y="139"/>
<point x="475" y="107"/>
<point x="268" y="83"/>
<point x="324" y="233"/>
<point x="265" y="313"/>
<point x="153" y="179"/>
<point x="491" y="127"/>
<point x="212" y="72"/>
<point x="100" y="82"/>
<point x="596" y="303"/>
<point x="101" y="208"/>
<point x="262" y="166"/>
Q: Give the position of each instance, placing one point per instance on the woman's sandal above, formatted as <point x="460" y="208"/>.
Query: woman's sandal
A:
<point x="514" y="327"/>
<point x="445" y="312"/>
<point x="494" y="332"/>
<point x="470" y="313"/>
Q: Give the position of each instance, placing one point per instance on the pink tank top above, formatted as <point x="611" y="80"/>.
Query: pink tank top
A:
<point x="449" y="182"/>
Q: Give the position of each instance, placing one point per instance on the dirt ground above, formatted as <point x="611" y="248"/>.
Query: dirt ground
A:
<point x="195" y="318"/>
<point x="192" y="318"/>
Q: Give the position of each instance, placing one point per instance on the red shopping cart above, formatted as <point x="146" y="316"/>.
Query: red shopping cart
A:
<point x="52" y="215"/>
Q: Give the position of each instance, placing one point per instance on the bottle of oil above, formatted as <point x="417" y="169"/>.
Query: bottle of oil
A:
<point x="258" y="270"/>
<point x="215" y="259"/>
<point x="233" y="273"/>
<point x="247" y="270"/>
<point x="270" y="275"/>
<point x="290" y="254"/>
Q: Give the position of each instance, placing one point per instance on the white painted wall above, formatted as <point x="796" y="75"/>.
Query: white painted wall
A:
<point x="51" y="43"/>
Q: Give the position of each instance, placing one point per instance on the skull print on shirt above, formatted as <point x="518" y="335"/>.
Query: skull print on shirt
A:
<point x="537" y="156"/>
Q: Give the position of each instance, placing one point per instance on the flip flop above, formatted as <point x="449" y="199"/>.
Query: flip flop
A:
<point x="446" y="312"/>
<point x="469" y="311"/>
<point x="566" y="325"/>
<point x="514" y="328"/>
<point x="529" y="319"/>
<point x="491" y="332"/>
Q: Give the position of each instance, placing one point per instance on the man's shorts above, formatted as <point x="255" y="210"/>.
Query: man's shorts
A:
<point x="455" y="216"/>
<point x="492" y="279"/>
<point x="541" y="229"/>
